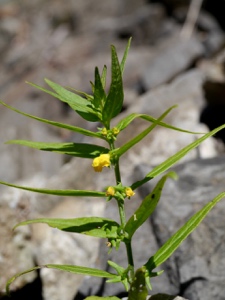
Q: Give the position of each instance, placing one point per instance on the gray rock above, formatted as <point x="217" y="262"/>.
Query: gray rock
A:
<point x="166" y="297"/>
<point x="196" y="268"/>
<point x="40" y="244"/>
<point x="67" y="52"/>
<point x="143" y="24"/>
<point x="171" y="58"/>
<point x="215" y="38"/>
<point x="20" y="162"/>
<point x="186" y="91"/>
<point x="162" y="297"/>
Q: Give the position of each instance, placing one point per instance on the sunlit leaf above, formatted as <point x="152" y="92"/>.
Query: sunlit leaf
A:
<point x="80" y="105"/>
<point x="12" y="279"/>
<point x="103" y="76"/>
<point x="175" y="158"/>
<point x="57" y="124"/>
<point x="68" y="268"/>
<point x="147" y="206"/>
<point x="77" y="103"/>
<point x="99" y="93"/>
<point x="80" y="193"/>
<point x="174" y="242"/>
<point x="82" y="270"/>
<point x="128" y="119"/>
<point x="74" y="149"/>
<point x="93" y="226"/>
<point x="114" y="100"/>
<point x="120" y="151"/>
<point x="122" y="65"/>
<point x="87" y="96"/>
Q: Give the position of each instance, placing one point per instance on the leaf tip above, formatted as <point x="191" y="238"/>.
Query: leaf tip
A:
<point x="173" y="175"/>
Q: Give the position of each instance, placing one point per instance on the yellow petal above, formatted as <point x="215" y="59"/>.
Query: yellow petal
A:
<point x="110" y="191"/>
<point x="129" y="192"/>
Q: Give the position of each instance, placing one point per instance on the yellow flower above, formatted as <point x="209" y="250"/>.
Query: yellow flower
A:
<point x="129" y="192"/>
<point x="110" y="191"/>
<point x="104" y="131"/>
<point x="115" y="130"/>
<point x="101" y="161"/>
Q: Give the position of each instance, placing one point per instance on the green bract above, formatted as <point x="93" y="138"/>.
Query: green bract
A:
<point x="102" y="107"/>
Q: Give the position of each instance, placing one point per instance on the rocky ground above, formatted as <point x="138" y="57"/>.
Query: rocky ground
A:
<point x="64" y="42"/>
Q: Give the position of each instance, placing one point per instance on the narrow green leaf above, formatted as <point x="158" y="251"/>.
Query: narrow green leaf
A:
<point x="120" y="270"/>
<point x="74" y="100"/>
<point x="87" y="96"/>
<point x="123" y="275"/>
<point x="103" y="76"/>
<point x="57" y="124"/>
<point x="82" y="106"/>
<point x="79" y="193"/>
<point x="99" y="93"/>
<point x="174" y="242"/>
<point x="120" y="151"/>
<point x="175" y="158"/>
<point x="128" y="119"/>
<point x="122" y="65"/>
<point x="77" y="103"/>
<point x="12" y="279"/>
<point x="93" y="226"/>
<point x="147" y="206"/>
<point x="68" y="268"/>
<point x="114" y="100"/>
<point x="82" y="270"/>
<point x="74" y="149"/>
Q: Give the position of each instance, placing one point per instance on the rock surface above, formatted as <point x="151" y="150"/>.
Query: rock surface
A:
<point x="162" y="297"/>
<point x="196" y="267"/>
<point x="64" y="43"/>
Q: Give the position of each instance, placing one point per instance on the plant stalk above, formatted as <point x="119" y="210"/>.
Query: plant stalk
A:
<point x="123" y="218"/>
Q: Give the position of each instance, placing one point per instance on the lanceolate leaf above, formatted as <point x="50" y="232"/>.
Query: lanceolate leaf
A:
<point x="122" y="65"/>
<point x="74" y="149"/>
<point x="103" y="76"/>
<point x="79" y="193"/>
<point x="99" y="93"/>
<point x="120" y="151"/>
<point x="82" y="270"/>
<point x="87" y="96"/>
<point x="128" y="119"/>
<point x="57" y="124"/>
<point x="12" y="279"/>
<point x="77" y="103"/>
<point x="175" y="158"/>
<point x="147" y="206"/>
<point x="93" y="226"/>
<point x="114" y="100"/>
<point x="68" y="268"/>
<point x="174" y="242"/>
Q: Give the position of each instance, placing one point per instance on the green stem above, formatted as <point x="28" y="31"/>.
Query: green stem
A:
<point x="123" y="216"/>
<point x="120" y="202"/>
<point x="130" y="259"/>
<point x="122" y="213"/>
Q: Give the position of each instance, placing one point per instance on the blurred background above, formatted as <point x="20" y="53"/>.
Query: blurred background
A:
<point x="177" y="57"/>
